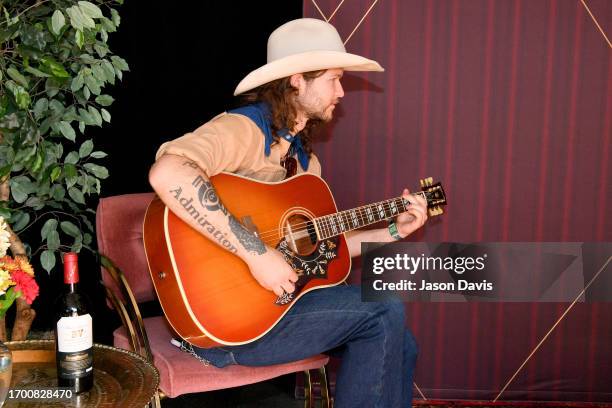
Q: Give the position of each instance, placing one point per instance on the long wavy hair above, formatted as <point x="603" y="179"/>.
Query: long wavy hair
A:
<point x="280" y="96"/>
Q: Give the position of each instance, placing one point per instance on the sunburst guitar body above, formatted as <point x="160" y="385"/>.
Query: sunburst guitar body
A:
<point x="208" y="294"/>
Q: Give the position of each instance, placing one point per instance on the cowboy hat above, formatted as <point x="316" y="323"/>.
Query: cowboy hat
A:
<point x="304" y="45"/>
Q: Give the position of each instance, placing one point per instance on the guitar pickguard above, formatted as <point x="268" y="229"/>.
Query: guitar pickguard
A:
<point x="313" y="266"/>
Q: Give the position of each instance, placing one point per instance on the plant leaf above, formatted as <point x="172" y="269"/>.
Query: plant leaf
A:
<point x="102" y="50"/>
<point x="78" y="20"/>
<point x="79" y="38"/>
<point x="47" y="260"/>
<point x="55" y="173"/>
<point x="96" y="115"/>
<point x="37" y="72"/>
<point x="77" y="245"/>
<point x="22" y="97"/>
<point x="115" y="17"/>
<point x="119" y="63"/>
<point x="76" y="195"/>
<point x="105" y="115"/>
<point x="70" y="174"/>
<point x="90" y="9"/>
<point x="70" y="229"/>
<point x="92" y="84"/>
<point x="98" y="171"/>
<point x="67" y="130"/>
<point x="53" y="240"/>
<point x="18" y="193"/>
<point x="86" y="117"/>
<point x="57" y="21"/>
<point x="98" y="72"/>
<point x="16" y="75"/>
<point x="40" y="107"/>
<point x="77" y="82"/>
<point x="76" y="17"/>
<point x="86" y="148"/>
<point x="21" y="221"/>
<point x="109" y="71"/>
<point x="48" y="226"/>
<point x="105" y="100"/>
<point x="54" y="68"/>
<point x="98" y="155"/>
<point x="86" y="93"/>
<point x="71" y="158"/>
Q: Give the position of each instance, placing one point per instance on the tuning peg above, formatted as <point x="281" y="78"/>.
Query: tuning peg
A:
<point x="434" y="211"/>
<point x="426" y="182"/>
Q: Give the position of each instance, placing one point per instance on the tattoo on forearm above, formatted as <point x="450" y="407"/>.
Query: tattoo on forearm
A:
<point x="186" y="203"/>
<point x="209" y="200"/>
<point x="207" y="195"/>
<point x="249" y="241"/>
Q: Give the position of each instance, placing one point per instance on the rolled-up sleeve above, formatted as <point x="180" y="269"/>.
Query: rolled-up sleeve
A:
<point x="226" y="143"/>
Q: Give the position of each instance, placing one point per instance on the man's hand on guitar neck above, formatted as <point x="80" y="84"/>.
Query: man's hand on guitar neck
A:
<point x="414" y="217"/>
<point x="187" y="191"/>
<point x="407" y="222"/>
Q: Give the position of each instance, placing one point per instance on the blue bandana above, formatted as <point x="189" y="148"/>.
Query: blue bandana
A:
<point x="260" y="114"/>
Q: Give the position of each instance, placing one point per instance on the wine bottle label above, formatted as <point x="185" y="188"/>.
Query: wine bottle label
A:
<point x="75" y="365"/>
<point x="74" y="334"/>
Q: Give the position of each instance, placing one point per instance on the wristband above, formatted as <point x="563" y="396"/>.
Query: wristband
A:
<point x="393" y="231"/>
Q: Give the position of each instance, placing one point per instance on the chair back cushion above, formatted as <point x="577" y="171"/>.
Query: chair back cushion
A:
<point x="119" y="222"/>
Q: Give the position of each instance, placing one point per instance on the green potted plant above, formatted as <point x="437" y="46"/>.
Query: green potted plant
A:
<point x="54" y="65"/>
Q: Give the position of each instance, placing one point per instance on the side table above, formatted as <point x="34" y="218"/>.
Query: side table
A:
<point x="121" y="378"/>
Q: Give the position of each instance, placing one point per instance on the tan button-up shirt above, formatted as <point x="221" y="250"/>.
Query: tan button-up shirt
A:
<point x="234" y="143"/>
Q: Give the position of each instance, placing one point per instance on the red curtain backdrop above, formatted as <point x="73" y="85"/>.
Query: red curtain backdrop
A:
<point x="509" y="104"/>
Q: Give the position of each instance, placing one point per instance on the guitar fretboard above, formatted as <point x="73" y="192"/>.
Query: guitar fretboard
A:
<point x="344" y="221"/>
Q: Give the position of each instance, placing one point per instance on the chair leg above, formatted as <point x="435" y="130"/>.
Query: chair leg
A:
<point x="308" y="401"/>
<point x="325" y="400"/>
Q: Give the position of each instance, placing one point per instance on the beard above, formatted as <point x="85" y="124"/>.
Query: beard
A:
<point x="324" y="115"/>
<point x="316" y="110"/>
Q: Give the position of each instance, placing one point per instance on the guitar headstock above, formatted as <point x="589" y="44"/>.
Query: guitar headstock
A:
<point x="435" y="196"/>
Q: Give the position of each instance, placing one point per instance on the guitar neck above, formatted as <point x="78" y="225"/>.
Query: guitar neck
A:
<point x="344" y="221"/>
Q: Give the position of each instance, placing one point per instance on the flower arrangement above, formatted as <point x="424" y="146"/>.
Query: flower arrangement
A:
<point x="16" y="275"/>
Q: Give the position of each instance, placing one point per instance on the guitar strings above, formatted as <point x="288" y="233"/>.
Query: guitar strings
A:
<point x="274" y="234"/>
<point x="387" y="205"/>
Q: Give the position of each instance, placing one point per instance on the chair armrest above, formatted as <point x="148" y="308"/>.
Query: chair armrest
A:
<point x="127" y="309"/>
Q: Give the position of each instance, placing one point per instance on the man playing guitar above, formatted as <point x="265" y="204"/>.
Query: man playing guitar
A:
<point x="268" y="140"/>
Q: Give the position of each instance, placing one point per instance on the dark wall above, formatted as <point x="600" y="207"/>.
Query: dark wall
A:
<point x="185" y="59"/>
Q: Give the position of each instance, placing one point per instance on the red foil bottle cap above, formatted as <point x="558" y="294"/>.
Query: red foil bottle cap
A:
<point x="71" y="268"/>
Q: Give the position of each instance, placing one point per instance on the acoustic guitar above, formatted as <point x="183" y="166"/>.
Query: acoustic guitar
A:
<point x="208" y="294"/>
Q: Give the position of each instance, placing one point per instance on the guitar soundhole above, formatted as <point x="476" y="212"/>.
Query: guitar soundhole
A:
<point x="300" y="234"/>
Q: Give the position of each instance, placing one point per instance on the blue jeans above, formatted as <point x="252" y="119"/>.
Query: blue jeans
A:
<point x="378" y="353"/>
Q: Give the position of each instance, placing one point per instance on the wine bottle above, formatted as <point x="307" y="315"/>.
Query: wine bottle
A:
<point x="73" y="333"/>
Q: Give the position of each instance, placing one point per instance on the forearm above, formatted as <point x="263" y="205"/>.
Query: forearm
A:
<point x="355" y="238"/>
<point x="189" y="194"/>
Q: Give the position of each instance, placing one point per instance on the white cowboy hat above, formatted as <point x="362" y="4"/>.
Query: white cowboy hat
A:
<point x="304" y="45"/>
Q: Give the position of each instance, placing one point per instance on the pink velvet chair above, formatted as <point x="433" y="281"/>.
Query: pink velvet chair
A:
<point x="126" y="278"/>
